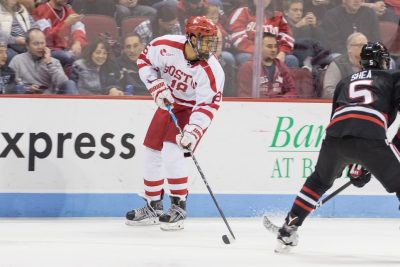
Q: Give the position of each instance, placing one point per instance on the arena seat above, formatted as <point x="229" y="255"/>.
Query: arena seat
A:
<point x="130" y="23"/>
<point x="303" y="82"/>
<point x="96" y="24"/>
<point x="388" y="31"/>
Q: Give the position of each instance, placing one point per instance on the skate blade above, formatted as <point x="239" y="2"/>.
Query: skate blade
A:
<point x="145" y="222"/>
<point x="172" y="226"/>
<point x="282" y="247"/>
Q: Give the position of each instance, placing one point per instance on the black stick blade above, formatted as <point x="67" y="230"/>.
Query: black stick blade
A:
<point x="228" y="240"/>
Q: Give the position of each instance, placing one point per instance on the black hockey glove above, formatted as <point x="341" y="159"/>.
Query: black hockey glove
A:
<point x="359" y="176"/>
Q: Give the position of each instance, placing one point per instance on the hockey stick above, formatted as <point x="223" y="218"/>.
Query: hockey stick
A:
<point x="274" y="228"/>
<point x="225" y="238"/>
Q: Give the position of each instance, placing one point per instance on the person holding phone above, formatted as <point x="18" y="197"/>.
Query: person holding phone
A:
<point x="38" y="71"/>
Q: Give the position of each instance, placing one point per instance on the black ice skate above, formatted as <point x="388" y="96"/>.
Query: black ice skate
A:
<point x="287" y="235"/>
<point x="148" y="215"/>
<point x="173" y="219"/>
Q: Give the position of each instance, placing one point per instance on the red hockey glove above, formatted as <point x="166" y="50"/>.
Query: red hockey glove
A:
<point x="161" y="94"/>
<point x="191" y="135"/>
<point x="359" y="176"/>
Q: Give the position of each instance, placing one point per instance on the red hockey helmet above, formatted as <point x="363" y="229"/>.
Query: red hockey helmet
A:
<point x="206" y="33"/>
<point x="200" y="26"/>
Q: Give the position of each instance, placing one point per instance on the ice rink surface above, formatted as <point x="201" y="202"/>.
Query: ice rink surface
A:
<point x="109" y="242"/>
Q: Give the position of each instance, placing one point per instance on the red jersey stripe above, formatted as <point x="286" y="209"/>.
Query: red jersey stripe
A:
<point x="174" y="44"/>
<point x="210" y="74"/>
<point x="357" y="116"/>
<point x="145" y="59"/>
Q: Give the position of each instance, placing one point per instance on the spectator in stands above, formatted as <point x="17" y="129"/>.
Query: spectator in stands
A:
<point x="38" y="71"/>
<point x="28" y="4"/>
<point x="189" y="8"/>
<point x="227" y="60"/>
<point x="164" y="22"/>
<point x="98" y="7"/>
<point x="15" y="21"/>
<point x="155" y="3"/>
<point x="275" y="80"/>
<point x="385" y="12"/>
<point x="344" y="65"/>
<point x="129" y="73"/>
<point x="395" y="5"/>
<point x="242" y="25"/>
<point x="96" y="73"/>
<point x="303" y="27"/>
<point x="158" y="4"/>
<point x="31" y="4"/>
<point x="223" y="38"/>
<point x="343" y="20"/>
<point x="320" y="7"/>
<point x="65" y="33"/>
<point x="306" y="32"/>
<point x="128" y="8"/>
<point x="232" y="5"/>
<point x="7" y="74"/>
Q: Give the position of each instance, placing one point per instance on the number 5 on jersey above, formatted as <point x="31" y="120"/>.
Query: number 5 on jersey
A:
<point x="362" y="94"/>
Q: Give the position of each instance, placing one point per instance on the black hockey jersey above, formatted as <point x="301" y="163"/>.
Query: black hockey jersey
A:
<point x="365" y="104"/>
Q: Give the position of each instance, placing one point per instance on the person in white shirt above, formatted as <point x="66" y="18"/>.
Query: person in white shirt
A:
<point x="183" y="72"/>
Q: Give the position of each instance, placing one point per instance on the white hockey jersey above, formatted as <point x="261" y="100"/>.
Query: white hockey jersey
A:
<point x="197" y="85"/>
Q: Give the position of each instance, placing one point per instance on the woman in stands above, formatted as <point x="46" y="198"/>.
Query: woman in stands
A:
<point x="96" y="73"/>
<point x="15" y="21"/>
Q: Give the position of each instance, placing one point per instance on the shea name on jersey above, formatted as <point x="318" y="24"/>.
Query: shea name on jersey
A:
<point x="366" y="74"/>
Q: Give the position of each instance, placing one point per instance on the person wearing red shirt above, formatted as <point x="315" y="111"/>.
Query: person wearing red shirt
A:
<point x="65" y="33"/>
<point x="242" y="24"/>
<point x="275" y="79"/>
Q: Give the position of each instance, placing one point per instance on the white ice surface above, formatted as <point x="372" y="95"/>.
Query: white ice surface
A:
<point x="109" y="242"/>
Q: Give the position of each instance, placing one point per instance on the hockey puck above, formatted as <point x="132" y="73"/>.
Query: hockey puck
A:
<point x="227" y="240"/>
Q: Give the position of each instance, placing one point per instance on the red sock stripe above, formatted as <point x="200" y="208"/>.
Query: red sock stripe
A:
<point x="153" y="183"/>
<point x="153" y="194"/>
<point x="183" y="180"/>
<point x="309" y="191"/>
<point x="182" y="192"/>
<point x="303" y="206"/>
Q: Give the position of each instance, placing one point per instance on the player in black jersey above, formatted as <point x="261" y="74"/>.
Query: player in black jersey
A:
<point x="364" y="105"/>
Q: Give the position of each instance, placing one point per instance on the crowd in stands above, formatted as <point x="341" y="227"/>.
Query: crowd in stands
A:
<point x="90" y="47"/>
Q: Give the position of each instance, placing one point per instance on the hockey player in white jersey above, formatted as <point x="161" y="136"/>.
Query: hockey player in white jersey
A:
<point x="183" y="72"/>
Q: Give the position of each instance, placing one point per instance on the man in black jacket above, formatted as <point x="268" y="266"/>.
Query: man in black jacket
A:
<point x="7" y="74"/>
<point x="130" y="81"/>
<point x="341" y="21"/>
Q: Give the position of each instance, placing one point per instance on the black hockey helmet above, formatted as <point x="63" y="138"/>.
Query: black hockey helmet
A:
<point x="374" y="56"/>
